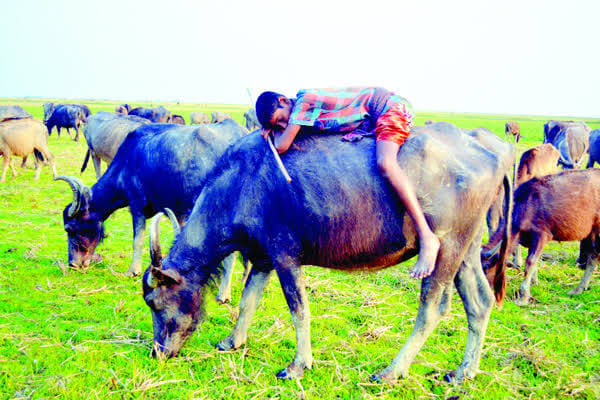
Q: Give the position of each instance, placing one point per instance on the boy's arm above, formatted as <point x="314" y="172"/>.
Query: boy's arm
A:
<point x="284" y="140"/>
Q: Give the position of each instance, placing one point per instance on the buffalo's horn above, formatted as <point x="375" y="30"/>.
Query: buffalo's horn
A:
<point x="174" y="221"/>
<point x="492" y="251"/>
<point x="76" y="186"/>
<point x="153" y="233"/>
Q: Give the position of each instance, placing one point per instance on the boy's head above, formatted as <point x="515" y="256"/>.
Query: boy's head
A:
<point x="273" y="110"/>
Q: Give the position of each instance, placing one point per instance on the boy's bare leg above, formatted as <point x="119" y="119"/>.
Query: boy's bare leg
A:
<point x="429" y="244"/>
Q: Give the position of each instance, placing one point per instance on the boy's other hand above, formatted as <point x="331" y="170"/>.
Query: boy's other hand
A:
<point x="265" y="133"/>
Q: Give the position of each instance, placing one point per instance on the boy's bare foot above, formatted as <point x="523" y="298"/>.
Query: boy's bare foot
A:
<point x="427" y="257"/>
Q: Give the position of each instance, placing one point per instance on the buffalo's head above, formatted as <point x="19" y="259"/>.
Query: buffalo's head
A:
<point x="84" y="229"/>
<point x="175" y="300"/>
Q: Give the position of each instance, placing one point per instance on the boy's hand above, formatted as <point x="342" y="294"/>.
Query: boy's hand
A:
<point x="265" y="133"/>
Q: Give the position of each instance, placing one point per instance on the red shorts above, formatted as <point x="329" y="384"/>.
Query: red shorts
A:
<point x="394" y="125"/>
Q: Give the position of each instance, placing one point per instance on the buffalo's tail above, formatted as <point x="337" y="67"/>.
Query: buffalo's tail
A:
<point x="499" y="283"/>
<point x="38" y="155"/>
<point x="86" y="159"/>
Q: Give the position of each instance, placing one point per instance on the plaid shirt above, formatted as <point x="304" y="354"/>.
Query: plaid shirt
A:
<point x="338" y="110"/>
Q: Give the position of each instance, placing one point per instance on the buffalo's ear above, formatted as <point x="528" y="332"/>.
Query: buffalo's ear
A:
<point x="166" y="276"/>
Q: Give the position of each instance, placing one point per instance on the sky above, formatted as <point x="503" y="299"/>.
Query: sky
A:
<point x="506" y="57"/>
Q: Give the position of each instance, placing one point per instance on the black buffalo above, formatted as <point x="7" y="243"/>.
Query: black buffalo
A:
<point x="177" y="119"/>
<point x="594" y="148"/>
<point x="154" y="114"/>
<point x="104" y="133"/>
<point x="337" y="212"/>
<point x="123" y="109"/>
<point x="66" y="116"/>
<point x="157" y="166"/>
<point x="251" y="120"/>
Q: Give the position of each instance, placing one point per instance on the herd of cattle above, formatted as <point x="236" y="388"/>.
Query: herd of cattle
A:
<point x="221" y="189"/>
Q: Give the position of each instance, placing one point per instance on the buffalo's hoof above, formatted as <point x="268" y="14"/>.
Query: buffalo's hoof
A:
<point x="450" y="377"/>
<point x="291" y="372"/>
<point x="386" y="377"/>
<point x="576" y="291"/>
<point x="227" y="344"/>
<point x="522" y="301"/>
<point x="132" y="272"/>
<point x="223" y="299"/>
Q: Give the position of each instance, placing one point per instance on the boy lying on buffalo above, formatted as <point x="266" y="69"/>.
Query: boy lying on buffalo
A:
<point x="345" y="110"/>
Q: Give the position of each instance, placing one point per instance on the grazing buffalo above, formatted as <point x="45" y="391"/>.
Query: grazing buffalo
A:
<point x="199" y="118"/>
<point x="66" y="116"/>
<point x="104" y="133"/>
<point x="573" y="144"/>
<point x="594" y="148"/>
<point x="553" y="128"/>
<point x="218" y="116"/>
<point x="21" y="137"/>
<point x="337" y="212"/>
<point x="561" y="207"/>
<point x="251" y="120"/>
<point x="177" y="119"/>
<point x="512" y="129"/>
<point x="537" y="162"/>
<point x="157" y="166"/>
<point x="13" y="112"/>
<point x="123" y="109"/>
<point x="154" y="114"/>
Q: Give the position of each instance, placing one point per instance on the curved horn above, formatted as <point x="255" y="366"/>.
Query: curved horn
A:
<point x="77" y="188"/>
<point x="174" y="222"/>
<point x="153" y="233"/>
<point x="492" y="251"/>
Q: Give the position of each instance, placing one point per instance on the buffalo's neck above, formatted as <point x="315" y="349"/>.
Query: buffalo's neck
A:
<point x="107" y="197"/>
<point x="203" y="243"/>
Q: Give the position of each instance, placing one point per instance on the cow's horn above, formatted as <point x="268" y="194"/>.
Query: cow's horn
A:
<point x="153" y="233"/>
<point x="174" y="222"/>
<point x="492" y="251"/>
<point x="79" y="190"/>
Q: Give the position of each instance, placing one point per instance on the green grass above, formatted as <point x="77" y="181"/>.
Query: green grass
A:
<point x="88" y="334"/>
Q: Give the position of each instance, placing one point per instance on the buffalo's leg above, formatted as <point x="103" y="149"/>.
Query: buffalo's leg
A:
<point x="12" y="167"/>
<point x="587" y="276"/>
<point x="535" y="251"/>
<point x="49" y="159"/>
<point x="76" y="133"/>
<point x="139" y="229"/>
<point x="38" y="169"/>
<point x="24" y="163"/>
<point x="255" y="286"/>
<point x="5" y="163"/>
<point x="428" y="317"/>
<point x="294" y="290"/>
<point x="97" y="166"/>
<point x="224" y="294"/>
<point x="478" y="300"/>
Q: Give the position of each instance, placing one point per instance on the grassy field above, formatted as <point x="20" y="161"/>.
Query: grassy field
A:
<point x="88" y="334"/>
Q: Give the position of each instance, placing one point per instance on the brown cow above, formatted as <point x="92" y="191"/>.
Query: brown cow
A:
<point x="561" y="207"/>
<point x="512" y="129"/>
<point x="537" y="162"/>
